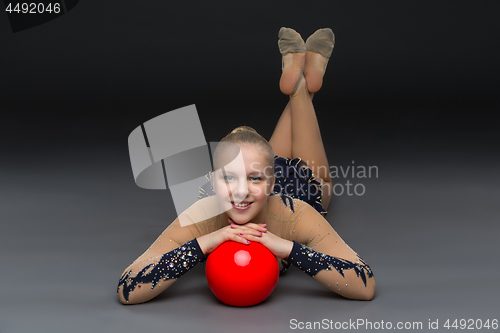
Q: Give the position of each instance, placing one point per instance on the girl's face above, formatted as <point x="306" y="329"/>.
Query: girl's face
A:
<point x="244" y="183"/>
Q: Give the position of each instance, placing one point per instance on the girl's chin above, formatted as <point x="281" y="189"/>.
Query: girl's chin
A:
<point x="237" y="220"/>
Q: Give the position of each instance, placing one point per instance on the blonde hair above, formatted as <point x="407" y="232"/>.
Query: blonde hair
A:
<point x="248" y="135"/>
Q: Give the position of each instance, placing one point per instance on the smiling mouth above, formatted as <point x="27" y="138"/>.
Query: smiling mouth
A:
<point x="242" y="205"/>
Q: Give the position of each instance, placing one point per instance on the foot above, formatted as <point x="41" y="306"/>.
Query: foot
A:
<point x="301" y="90"/>
<point x="319" y="47"/>
<point x="292" y="48"/>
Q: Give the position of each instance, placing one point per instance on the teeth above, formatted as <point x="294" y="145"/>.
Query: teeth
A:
<point x="241" y="205"/>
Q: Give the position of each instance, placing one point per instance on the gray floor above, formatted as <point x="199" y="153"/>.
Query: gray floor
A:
<point x="73" y="219"/>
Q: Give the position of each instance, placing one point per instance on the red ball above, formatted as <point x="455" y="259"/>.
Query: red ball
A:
<point x="242" y="275"/>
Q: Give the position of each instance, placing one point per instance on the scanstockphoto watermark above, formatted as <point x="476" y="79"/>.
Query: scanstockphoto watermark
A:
<point x="345" y="180"/>
<point x="365" y="324"/>
<point x="356" y="324"/>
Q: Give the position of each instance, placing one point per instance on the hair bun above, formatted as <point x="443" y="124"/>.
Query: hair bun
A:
<point x="243" y="128"/>
<point x="245" y="135"/>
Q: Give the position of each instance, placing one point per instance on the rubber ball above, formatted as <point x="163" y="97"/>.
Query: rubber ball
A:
<point x="242" y="275"/>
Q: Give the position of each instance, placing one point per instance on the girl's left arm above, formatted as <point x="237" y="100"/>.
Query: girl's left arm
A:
<point x="322" y="254"/>
<point x="312" y="245"/>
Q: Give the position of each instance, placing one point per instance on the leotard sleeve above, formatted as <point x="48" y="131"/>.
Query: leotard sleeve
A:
<point x="322" y="254"/>
<point x="171" y="255"/>
<point x="313" y="262"/>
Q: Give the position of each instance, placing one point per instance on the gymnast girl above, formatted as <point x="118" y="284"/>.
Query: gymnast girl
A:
<point x="277" y="195"/>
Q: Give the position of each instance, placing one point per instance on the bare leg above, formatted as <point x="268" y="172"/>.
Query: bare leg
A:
<point x="297" y="132"/>
<point x="282" y="140"/>
<point x="306" y="138"/>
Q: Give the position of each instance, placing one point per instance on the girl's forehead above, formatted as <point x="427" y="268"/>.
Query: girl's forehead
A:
<point x="255" y="151"/>
<point x="243" y="158"/>
<point x="246" y="165"/>
<point x="248" y="152"/>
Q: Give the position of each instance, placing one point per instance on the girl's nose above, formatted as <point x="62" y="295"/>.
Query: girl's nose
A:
<point x="240" y="191"/>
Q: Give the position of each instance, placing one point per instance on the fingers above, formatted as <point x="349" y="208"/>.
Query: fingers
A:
<point x="244" y="233"/>
<point x="237" y="236"/>
<point x="253" y="238"/>
<point x="247" y="231"/>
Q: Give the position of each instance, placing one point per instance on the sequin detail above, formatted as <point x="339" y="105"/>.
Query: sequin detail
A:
<point x="286" y="265"/>
<point x="312" y="262"/>
<point x="294" y="179"/>
<point x="171" y="265"/>
<point x="206" y="190"/>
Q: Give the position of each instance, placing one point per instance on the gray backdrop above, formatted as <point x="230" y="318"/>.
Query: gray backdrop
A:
<point x="411" y="88"/>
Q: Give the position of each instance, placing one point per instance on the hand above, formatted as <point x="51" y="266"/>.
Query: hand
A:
<point x="249" y="229"/>
<point x="280" y="247"/>
<point x="211" y="241"/>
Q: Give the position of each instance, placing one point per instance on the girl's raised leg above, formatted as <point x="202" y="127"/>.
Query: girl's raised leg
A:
<point x="306" y="139"/>
<point x="281" y="140"/>
<point x="297" y="133"/>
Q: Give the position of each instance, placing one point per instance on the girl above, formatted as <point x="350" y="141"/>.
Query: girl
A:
<point x="274" y="193"/>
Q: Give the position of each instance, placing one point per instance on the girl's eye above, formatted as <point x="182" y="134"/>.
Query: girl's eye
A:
<point x="229" y="178"/>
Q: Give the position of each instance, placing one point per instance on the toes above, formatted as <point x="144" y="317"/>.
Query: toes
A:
<point x="290" y="41"/>
<point x="322" y="41"/>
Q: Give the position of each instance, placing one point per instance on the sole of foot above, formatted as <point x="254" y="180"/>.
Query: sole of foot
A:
<point x="293" y="68"/>
<point x="292" y="48"/>
<point x="314" y="70"/>
<point x="319" y="47"/>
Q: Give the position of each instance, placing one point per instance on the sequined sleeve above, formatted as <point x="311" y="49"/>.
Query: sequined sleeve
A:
<point x="322" y="254"/>
<point x="312" y="262"/>
<point x="171" y="265"/>
<point x="170" y="256"/>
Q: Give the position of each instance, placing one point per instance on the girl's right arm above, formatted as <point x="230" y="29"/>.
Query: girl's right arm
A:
<point x="175" y="251"/>
<point x="146" y="277"/>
